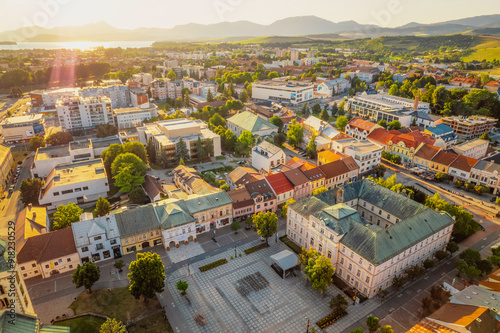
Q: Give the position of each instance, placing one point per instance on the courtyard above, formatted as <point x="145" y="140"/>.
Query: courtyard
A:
<point x="246" y="295"/>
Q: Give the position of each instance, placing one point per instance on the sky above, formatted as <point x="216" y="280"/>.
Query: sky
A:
<point x="131" y="14"/>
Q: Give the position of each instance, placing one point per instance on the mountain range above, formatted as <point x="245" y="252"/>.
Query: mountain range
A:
<point x="292" y="26"/>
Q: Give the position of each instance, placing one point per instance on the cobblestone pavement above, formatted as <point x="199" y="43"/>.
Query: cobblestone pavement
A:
<point x="282" y="306"/>
<point x="184" y="252"/>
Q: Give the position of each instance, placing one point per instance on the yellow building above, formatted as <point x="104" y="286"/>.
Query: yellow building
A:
<point x="442" y="160"/>
<point x="328" y="156"/>
<point x="31" y="221"/>
<point x="6" y="162"/>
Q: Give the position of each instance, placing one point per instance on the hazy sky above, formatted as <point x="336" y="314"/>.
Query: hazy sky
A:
<point x="168" y="13"/>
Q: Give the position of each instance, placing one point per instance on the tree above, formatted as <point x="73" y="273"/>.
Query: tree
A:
<point x="200" y="150"/>
<point x="216" y="120"/>
<point x="372" y="323"/>
<point x="266" y="224"/>
<point x="151" y="151"/>
<point x="59" y="138"/>
<point x="394" y="125"/>
<point x="319" y="272"/>
<point x="137" y="149"/>
<point x="484" y="266"/>
<point x="245" y="142"/>
<point x="398" y="282"/>
<point x="128" y="170"/>
<point x="319" y="190"/>
<point x="182" y="286"/>
<point x="105" y="130"/>
<point x="119" y="264"/>
<point x="30" y="191"/>
<point x="472" y="272"/>
<point x="109" y="155"/>
<point x="358" y="330"/>
<point x="65" y="215"/>
<point x="386" y="329"/>
<point x="341" y="122"/>
<point x="111" y="325"/>
<point x="338" y="303"/>
<point x="137" y="195"/>
<point x="86" y="275"/>
<point x="441" y="176"/>
<point x="284" y="209"/>
<point x="316" y="108"/>
<point x="414" y="272"/>
<point x="452" y="247"/>
<point x="311" y="149"/>
<point x="379" y="170"/>
<point x="102" y="207"/>
<point x="17" y="77"/>
<point x="428" y="263"/>
<point x="36" y="142"/>
<point x="324" y="115"/>
<point x="181" y="150"/>
<point x="147" y="275"/>
<point x="480" y="189"/>
<point x="244" y="96"/>
<point x="235" y="226"/>
<point x="440" y="255"/>
<point x="470" y="256"/>
<point x="276" y="121"/>
<point x="486" y="136"/>
<point x="171" y="75"/>
<point x="295" y="134"/>
<point x="305" y="110"/>
<point x="461" y="266"/>
<point x="438" y="297"/>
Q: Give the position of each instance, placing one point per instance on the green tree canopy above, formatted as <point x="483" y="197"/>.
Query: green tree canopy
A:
<point x="36" y="142"/>
<point x="338" y="303"/>
<point x="105" y="130"/>
<point x="128" y="170"/>
<point x="319" y="190"/>
<point x="284" y="209"/>
<point x="86" y="275"/>
<point x="372" y="323"/>
<point x="181" y="150"/>
<point x="216" y="120"/>
<point x="137" y="149"/>
<point x="171" y="75"/>
<point x="275" y="120"/>
<point x="319" y="272"/>
<point x="394" y="125"/>
<point x="30" y="191"/>
<point x="266" y="224"/>
<point x="341" y="122"/>
<point x="147" y="275"/>
<point x="111" y="325"/>
<point x="65" y="215"/>
<point x="59" y="138"/>
<point x="102" y="207"/>
<point x="295" y="134"/>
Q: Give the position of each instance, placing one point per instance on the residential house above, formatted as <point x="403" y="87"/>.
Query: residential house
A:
<point x="177" y="223"/>
<point x="486" y="173"/>
<point x="368" y="232"/>
<point x="365" y="153"/>
<point x="316" y="177"/>
<point x="381" y="137"/>
<point x="323" y="131"/>
<point x="492" y="86"/>
<point x="266" y="156"/>
<point x="463" y="82"/>
<point x="471" y="127"/>
<point x="97" y="239"/>
<point x="299" y="163"/>
<point x="328" y="156"/>
<point x="211" y="211"/>
<point x="358" y="128"/>
<point x="424" y="119"/>
<point x="247" y="121"/>
<point x="424" y="155"/>
<point x="263" y="196"/>
<point x="340" y="172"/>
<point x="243" y="204"/>
<point x="335" y="86"/>
<point x="443" y="132"/>
<point x="301" y="183"/>
<point x="282" y="188"/>
<point x="188" y="180"/>
<point x="153" y="188"/>
<point x="47" y="254"/>
<point x="31" y="221"/>
<point x="405" y="145"/>
<point x="241" y="176"/>
<point x="442" y="161"/>
<point x="476" y="148"/>
<point x="460" y="168"/>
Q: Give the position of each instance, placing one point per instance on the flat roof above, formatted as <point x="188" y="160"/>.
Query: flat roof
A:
<point x="79" y="172"/>
<point x="23" y="119"/>
<point x="49" y="152"/>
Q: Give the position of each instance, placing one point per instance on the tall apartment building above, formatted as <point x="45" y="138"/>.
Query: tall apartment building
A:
<point x="134" y="116"/>
<point x="86" y="113"/>
<point x="118" y="94"/>
<point x="369" y="233"/>
<point x="294" y="55"/>
<point x="471" y="127"/>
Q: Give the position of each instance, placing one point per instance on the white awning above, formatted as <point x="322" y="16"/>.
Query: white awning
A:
<point x="285" y="259"/>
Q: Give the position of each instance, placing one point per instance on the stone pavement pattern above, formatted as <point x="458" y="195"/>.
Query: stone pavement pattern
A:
<point x="279" y="307"/>
<point x="192" y="249"/>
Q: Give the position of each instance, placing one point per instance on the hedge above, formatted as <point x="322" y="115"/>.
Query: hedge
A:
<point x="330" y="319"/>
<point x="256" y="248"/>
<point x="294" y="247"/>
<point x="213" y="265"/>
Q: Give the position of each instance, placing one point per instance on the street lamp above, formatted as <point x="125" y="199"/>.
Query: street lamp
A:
<point x="307" y="326"/>
<point x="189" y="272"/>
<point x="234" y="251"/>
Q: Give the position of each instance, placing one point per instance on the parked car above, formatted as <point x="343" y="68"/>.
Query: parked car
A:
<point x="11" y="189"/>
<point x="493" y="199"/>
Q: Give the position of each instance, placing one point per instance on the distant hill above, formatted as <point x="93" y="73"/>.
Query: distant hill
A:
<point x="292" y="26"/>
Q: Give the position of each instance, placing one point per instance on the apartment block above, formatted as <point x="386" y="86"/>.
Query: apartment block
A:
<point x="84" y="112"/>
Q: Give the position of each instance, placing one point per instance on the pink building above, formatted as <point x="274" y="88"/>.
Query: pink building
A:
<point x="262" y="195"/>
<point x="301" y="184"/>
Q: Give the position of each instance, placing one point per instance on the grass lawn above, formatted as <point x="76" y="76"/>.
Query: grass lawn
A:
<point x="488" y="53"/>
<point x="219" y="158"/>
<point x="153" y="324"/>
<point x="87" y="324"/>
<point x="492" y="71"/>
<point x="117" y="303"/>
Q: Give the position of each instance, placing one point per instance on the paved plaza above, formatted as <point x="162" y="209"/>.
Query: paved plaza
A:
<point x="246" y="295"/>
<point x="184" y="252"/>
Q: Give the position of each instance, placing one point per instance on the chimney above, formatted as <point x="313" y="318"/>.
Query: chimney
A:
<point x="34" y="215"/>
<point x="340" y="195"/>
<point x="29" y="206"/>
<point x="415" y="104"/>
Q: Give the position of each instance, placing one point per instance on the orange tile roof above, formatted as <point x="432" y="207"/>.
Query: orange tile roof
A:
<point x="296" y="162"/>
<point x="412" y="140"/>
<point x="427" y="151"/>
<point x="492" y="281"/>
<point x="444" y="158"/>
<point x="360" y="124"/>
<point x="464" y="163"/>
<point x="330" y="156"/>
<point x="427" y="326"/>
<point x="381" y="135"/>
<point x="458" y="314"/>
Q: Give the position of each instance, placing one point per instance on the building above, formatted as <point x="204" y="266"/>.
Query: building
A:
<point x="369" y="233"/>
<point x="460" y="168"/>
<point x="84" y="112"/>
<point x="47" y="254"/>
<point x="48" y="98"/>
<point x="241" y="176"/>
<point x="367" y="74"/>
<point x="138" y="96"/>
<point x="476" y="148"/>
<point x="316" y="177"/>
<point x="210" y="211"/>
<point x="492" y="86"/>
<point x="97" y="239"/>
<point x="243" y="204"/>
<point x="443" y="132"/>
<point x="266" y="156"/>
<point x="471" y="127"/>
<point x="188" y="180"/>
<point x="13" y="292"/>
<point x="291" y="92"/>
<point x="323" y="131"/>
<point x="21" y="129"/>
<point x="333" y="87"/>
<point x="359" y="129"/>
<point x="153" y="188"/>
<point x="28" y="324"/>
<point x="423" y="156"/>
<point x="177" y="224"/>
<point x="406" y="145"/>
<point x="263" y="196"/>
<point x="366" y="154"/>
<point x="77" y="182"/>
<point x="30" y="222"/>
<point x="167" y="133"/>
<point x="301" y="183"/>
<point x="134" y="116"/>
<point x="442" y="161"/>
<point x="424" y="119"/>
<point x="340" y="172"/>
<point x="144" y="78"/>
<point x="282" y="188"/>
<point x="119" y="94"/>
<point x="6" y="166"/>
<point x="486" y="173"/>
<point x="328" y="156"/>
<point x="138" y="229"/>
<point x="247" y="121"/>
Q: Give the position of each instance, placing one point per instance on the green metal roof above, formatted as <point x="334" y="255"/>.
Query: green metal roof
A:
<point x="54" y="329"/>
<point x="250" y="122"/>
<point x="140" y="219"/>
<point x="206" y="202"/>
<point x="27" y="324"/>
<point x="4" y="256"/>
<point x="173" y="213"/>
<point x="309" y="206"/>
<point x="339" y="218"/>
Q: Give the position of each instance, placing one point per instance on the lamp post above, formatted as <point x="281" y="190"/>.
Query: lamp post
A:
<point x="189" y="272"/>
<point x="307" y="326"/>
<point x="234" y="251"/>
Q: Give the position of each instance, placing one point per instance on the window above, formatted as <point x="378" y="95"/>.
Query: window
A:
<point x="361" y="261"/>
<point x="56" y="194"/>
<point x="113" y="241"/>
<point x="99" y="247"/>
<point x="97" y="238"/>
<point x="68" y="259"/>
<point x="85" y="188"/>
<point x="258" y="206"/>
<point x="78" y="189"/>
<point x="379" y="212"/>
<point x="329" y="255"/>
<point x="22" y="268"/>
<point x="55" y="264"/>
<point x="320" y="248"/>
<point x="70" y="266"/>
<point x="85" y="249"/>
<point x="312" y="241"/>
<point x="66" y="191"/>
<point x="388" y="216"/>
<point x="359" y="273"/>
<point x="367" y="279"/>
<point x="46" y="266"/>
<point x="372" y="208"/>
<point x="352" y="254"/>
<point x="350" y="266"/>
<point x="342" y="261"/>
<point x="33" y="265"/>
<point x="36" y="272"/>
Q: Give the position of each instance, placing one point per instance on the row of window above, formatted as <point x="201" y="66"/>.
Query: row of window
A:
<point x="78" y="189"/>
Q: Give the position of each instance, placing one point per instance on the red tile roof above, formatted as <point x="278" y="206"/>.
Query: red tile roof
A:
<point x="427" y="151"/>
<point x="381" y="135"/>
<point x="45" y="247"/>
<point x="360" y="124"/>
<point x="279" y="183"/>
<point x="296" y="177"/>
<point x="444" y="158"/>
<point x="314" y="174"/>
<point x="337" y="168"/>
<point x="464" y="163"/>
<point x="241" y="198"/>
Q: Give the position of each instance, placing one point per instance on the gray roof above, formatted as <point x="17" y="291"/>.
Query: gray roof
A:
<point x="425" y="115"/>
<point x="209" y="201"/>
<point x="487" y="166"/>
<point x="83" y="230"/>
<point x="339" y="218"/>
<point x="137" y="220"/>
<point x="105" y="142"/>
<point x="173" y="213"/>
<point x="285" y="259"/>
<point x="309" y="206"/>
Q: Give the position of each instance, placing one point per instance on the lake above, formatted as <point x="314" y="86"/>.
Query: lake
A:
<point x="75" y="45"/>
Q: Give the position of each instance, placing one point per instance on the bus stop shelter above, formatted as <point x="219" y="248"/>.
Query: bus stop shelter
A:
<point x="286" y="261"/>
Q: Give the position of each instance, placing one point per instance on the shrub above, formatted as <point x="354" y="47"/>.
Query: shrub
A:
<point x="232" y="257"/>
<point x="440" y="255"/>
<point x="256" y="248"/>
<point x="240" y="255"/>
<point x="213" y="265"/>
<point x="428" y="263"/>
<point x="330" y="319"/>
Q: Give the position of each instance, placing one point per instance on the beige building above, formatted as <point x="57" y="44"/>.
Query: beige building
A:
<point x="475" y="148"/>
<point x="471" y="127"/>
<point x="6" y="163"/>
<point x="21" y="129"/>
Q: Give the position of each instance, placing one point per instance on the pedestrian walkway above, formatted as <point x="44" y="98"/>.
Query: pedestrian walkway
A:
<point x="185" y="252"/>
